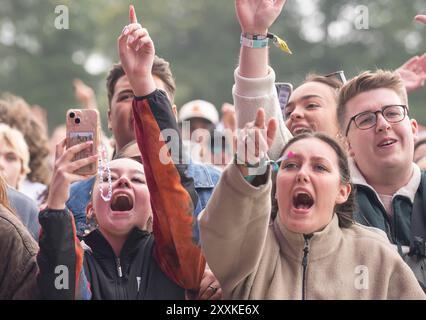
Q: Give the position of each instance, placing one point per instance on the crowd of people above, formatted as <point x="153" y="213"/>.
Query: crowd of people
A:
<point x="323" y="199"/>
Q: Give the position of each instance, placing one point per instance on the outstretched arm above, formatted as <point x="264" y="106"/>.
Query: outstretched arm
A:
<point x="60" y="258"/>
<point x="235" y="222"/>
<point x="173" y="196"/>
<point x="254" y="79"/>
<point x="413" y="72"/>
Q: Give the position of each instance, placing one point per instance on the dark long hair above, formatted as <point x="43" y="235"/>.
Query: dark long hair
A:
<point x="344" y="210"/>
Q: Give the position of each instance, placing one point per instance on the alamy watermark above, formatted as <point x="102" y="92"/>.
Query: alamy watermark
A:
<point x="362" y="18"/>
<point x="62" y="20"/>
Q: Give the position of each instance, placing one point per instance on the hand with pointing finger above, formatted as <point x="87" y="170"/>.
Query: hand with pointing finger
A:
<point x="136" y="50"/>
<point x="254" y="141"/>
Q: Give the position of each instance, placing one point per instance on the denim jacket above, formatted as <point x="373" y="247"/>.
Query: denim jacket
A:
<point x="205" y="179"/>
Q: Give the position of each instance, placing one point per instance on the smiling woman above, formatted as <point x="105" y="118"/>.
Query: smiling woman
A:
<point x="313" y="249"/>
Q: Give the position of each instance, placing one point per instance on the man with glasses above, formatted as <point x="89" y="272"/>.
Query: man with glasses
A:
<point x="373" y="114"/>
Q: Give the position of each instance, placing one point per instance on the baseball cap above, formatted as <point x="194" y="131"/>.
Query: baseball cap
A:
<point x="199" y="109"/>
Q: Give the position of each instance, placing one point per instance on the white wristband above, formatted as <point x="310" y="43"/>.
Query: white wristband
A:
<point x="254" y="43"/>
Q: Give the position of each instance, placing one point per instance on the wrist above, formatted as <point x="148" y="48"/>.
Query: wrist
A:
<point x="55" y="205"/>
<point x="255" y="31"/>
<point x="143" y="85"/>
<point x="254" y="41"/>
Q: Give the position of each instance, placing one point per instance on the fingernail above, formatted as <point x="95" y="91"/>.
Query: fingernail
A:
<point x="126" y="30"/>
<point x="130" y="39"/>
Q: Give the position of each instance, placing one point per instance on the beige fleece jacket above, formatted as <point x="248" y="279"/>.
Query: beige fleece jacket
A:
<point x="250" y="94"/>
<point x="254" y="259"/>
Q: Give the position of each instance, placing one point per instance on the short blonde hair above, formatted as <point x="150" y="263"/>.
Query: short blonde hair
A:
<point x="367" y="81"/>
<point x="15" y="139"/>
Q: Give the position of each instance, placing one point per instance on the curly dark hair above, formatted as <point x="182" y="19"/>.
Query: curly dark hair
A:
<point x="345" y="210"/>
<point x="16" y="112"/>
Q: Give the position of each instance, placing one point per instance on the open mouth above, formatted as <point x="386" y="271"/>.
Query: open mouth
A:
<point x="300" y="130"/>
<point x="387" y="142"/>
<point x="303" y="200"/>
<point x="121" y="202"/>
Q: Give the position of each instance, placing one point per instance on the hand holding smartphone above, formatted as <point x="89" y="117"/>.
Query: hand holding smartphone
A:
<point x="83" y="125"/>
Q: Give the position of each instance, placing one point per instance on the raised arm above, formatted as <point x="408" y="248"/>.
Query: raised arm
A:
<point x="61" y="256"/>
<point x="413" y="71"/>
<point x="235" y="222"/>
<point x="254" y="79"/>
<point x="173" y="196"/>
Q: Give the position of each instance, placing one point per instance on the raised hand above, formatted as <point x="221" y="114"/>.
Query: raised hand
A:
<point x="413" y="72"/>
<point x="254" y="141"/>
<point x="84" y="94"/>
<point x="63" y="173"/>
<point x="421" y="18"/>
<point x="256" y="16"/>
<point x="136" y="50"/>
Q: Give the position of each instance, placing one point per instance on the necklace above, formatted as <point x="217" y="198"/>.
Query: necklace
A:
<point x="103" y="169"/>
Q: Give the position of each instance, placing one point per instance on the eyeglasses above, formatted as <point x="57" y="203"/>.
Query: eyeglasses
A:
<point x="368" y="119"/>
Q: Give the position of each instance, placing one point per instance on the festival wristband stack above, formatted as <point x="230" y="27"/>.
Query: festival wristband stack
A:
<point x="261" y="166"/>
<point x="258" y="41"/>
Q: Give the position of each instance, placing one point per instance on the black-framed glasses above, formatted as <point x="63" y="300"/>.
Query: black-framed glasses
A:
<point x="365" y="120"/>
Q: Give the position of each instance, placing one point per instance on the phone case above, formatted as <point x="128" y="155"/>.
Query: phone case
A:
<point x="83" y="125"/>
<point x="284" y="90"/>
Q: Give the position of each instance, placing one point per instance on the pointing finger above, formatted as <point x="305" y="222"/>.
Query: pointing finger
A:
<point x="260" y="118"/>
<point x="132" y="15"/>
<point x="272" y="130"/>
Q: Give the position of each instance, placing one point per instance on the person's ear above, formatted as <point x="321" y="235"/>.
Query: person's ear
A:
<point x="348" y="147"/>
<point x="89" y="211"/>
<point x="415" y="130"/>
<point x="344" y="191"/>
<point x="174" y="109"/>
<point x="109" y="119"/>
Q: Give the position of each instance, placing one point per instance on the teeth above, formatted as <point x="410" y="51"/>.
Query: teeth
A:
<point x="387" y="143"/>
<point x="302" y="206"/>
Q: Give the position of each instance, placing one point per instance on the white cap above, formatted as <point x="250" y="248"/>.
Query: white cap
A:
<point x="199" y="109"/>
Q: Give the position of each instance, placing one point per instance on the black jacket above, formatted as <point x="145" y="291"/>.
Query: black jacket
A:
<point x="132" y="276"/>
<point x="148" y="269"/>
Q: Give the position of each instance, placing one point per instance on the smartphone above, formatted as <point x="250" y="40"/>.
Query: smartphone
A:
<point x="284" y="90"/>
<point x="338" y="75"/>
<point x="83" y="125"/>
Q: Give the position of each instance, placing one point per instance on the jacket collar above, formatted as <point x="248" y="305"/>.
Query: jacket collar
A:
<point x="99" y="246"/>
<point x="407" y="191"/>
<point x="321" y="244"/>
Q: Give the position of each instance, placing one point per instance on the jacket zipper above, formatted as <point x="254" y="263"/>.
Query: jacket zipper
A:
<point x="305" y="264"/>
<point x="121" y="292"/>
<point x="119" y="271"/>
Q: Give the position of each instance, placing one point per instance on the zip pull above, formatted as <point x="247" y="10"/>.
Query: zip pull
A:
<point x="120" y="273"/>
<point x="305" y="251"/>
<point x="305" y="264"/>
